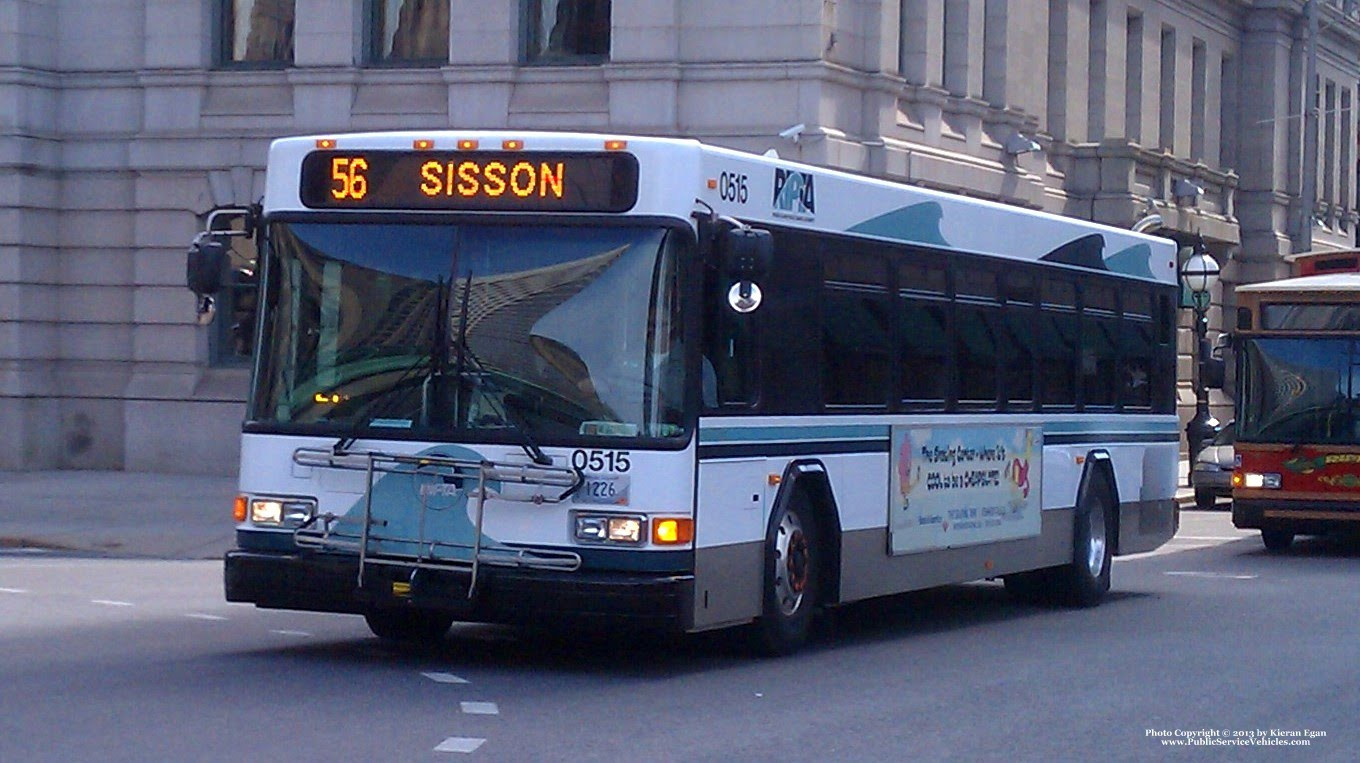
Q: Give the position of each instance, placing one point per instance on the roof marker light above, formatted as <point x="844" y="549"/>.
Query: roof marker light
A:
<point x="512" y="145"/>
<point x="422" y="144"/>
<point x="325" y="142"/>
<point x="467" y="144"/>
<point x="615" y="145"/>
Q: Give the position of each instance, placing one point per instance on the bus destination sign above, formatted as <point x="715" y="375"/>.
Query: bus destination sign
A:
<point x="520" y="181"/>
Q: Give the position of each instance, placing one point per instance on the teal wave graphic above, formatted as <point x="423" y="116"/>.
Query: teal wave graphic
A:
<point x="436" y="492"/>
<point x="918" y="223"/>
<point x="1134" y="261"/>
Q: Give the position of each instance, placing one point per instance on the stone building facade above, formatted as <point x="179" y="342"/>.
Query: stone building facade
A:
<point x="123" y="122"/>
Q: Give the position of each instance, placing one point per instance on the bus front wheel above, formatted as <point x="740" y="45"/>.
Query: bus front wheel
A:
<point x="792" y="575"/>
<point x="411" y="626"/>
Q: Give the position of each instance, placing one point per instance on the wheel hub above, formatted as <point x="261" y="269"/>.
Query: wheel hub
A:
<point x="792" y="564"/>
<point x="1095" y="543"/>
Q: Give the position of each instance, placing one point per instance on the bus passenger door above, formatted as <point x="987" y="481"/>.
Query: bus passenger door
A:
<point x="729" y="541"/>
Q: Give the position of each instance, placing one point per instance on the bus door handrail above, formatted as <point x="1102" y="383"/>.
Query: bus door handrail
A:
<point x="483" y="471"/>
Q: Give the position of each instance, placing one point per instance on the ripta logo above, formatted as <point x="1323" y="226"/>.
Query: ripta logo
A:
<point x="793" y="193"/>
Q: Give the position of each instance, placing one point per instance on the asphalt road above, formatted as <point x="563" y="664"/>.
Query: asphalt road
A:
<point x="132" y="659"/>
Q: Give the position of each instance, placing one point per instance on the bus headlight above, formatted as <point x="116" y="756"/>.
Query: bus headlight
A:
<point x="1257" y="481"/>
<point x="610" y="528"/>
<point x="282" y="512"/>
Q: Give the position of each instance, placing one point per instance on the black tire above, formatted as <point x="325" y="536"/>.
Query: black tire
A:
<point x="1085" y="581"/>
<point x="408" y="626"/>
<point x="1277" y="540"/>
<point x="1205" y="499"/>
<point x="792" y="575"/>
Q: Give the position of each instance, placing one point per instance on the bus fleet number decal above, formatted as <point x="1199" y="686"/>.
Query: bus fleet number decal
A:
<point x="732" y="187"/>
<point x="600" y="460"/>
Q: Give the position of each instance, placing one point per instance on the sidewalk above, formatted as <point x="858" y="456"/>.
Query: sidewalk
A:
<point x="171" y="516"/>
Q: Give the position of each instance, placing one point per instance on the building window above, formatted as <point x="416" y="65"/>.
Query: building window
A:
<point x="1166" y="135"/>
<point x="409" y="31"/>
<point x="566" y="31"/>
<point x="257" y="32"/>
<point x="1133" y="77"/>
<point x="1097" y="50"/>
<point x="1199" y="95"/>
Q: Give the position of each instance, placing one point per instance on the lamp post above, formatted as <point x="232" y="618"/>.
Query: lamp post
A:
<point x="1199" y="274"/>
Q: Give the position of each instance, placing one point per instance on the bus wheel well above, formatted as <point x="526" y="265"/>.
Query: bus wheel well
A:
<point x="809" y="479"/>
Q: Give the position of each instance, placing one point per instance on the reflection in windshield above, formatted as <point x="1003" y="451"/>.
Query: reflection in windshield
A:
<point x="1300" y="390"/>
<point x="562" y="330"/>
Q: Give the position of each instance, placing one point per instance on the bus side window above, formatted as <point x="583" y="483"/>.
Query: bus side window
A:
<point x="1137" y="343"/>
<point x="856" y="328"/>
<point x="727" y="368"/>
<point x="1057" y="340"/>
<point x="923" y="332"/>
<point x="1099" y="346"/>
<point x="977" y="348"/>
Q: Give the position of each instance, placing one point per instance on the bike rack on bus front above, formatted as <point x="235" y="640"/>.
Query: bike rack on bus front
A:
<point x="371" y="462"/>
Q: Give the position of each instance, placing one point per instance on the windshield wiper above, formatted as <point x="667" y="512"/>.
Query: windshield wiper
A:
<point x="386" y="401"/>
<point x="465" y="357"/>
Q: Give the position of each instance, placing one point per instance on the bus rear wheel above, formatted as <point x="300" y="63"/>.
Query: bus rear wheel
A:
<point x="409" y="626"/>
<point x="792" y="575"/>
<point x="1085" y="581"/>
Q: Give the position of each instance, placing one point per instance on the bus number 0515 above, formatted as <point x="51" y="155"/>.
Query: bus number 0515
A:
<point x="600" y="460"/>
<point x="732" y="187"/>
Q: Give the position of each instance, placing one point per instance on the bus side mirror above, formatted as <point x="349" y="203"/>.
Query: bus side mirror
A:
<point x="745" y="254"/>
<point x="204" y="266"/>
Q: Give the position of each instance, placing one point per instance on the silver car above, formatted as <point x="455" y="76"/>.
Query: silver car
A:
<point x="1211" y="476"/>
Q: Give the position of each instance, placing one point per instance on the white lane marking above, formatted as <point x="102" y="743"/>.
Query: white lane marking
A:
<point x="1211" y="537"/>
<point x="1212" y="575"/>
<point x="460" y="744"/>
<point x="445" y="678"/>
<point x="112" y="603"/>
<point x="304" y="634"/>
<point x="202" y="616"/>
<point x="480" y="708"/>
<point x="13" y="590"/>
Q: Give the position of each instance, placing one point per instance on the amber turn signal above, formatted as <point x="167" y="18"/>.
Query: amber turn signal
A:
<point x="238" y="509"/>
<point x="669" y="531"/>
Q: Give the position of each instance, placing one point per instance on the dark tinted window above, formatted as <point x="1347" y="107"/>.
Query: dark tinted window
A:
<point x="925" y="350"/>
<point x="976" y="350"/>
<point x="856" y="329"/>
<point x="1099" y="381"/>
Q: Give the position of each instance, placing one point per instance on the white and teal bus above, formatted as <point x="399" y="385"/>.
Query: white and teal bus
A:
<point x="549" y="378"/>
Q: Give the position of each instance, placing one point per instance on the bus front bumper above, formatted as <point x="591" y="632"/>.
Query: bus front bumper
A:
<point x="1308" y="517"/>
<point x="329" y="582"/>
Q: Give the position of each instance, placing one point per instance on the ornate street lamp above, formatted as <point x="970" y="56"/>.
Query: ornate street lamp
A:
<point x="1199" y="274"/>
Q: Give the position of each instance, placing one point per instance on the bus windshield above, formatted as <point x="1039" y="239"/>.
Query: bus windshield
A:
<point x="430" y="330"/>
<point x="1300" y="390"/>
